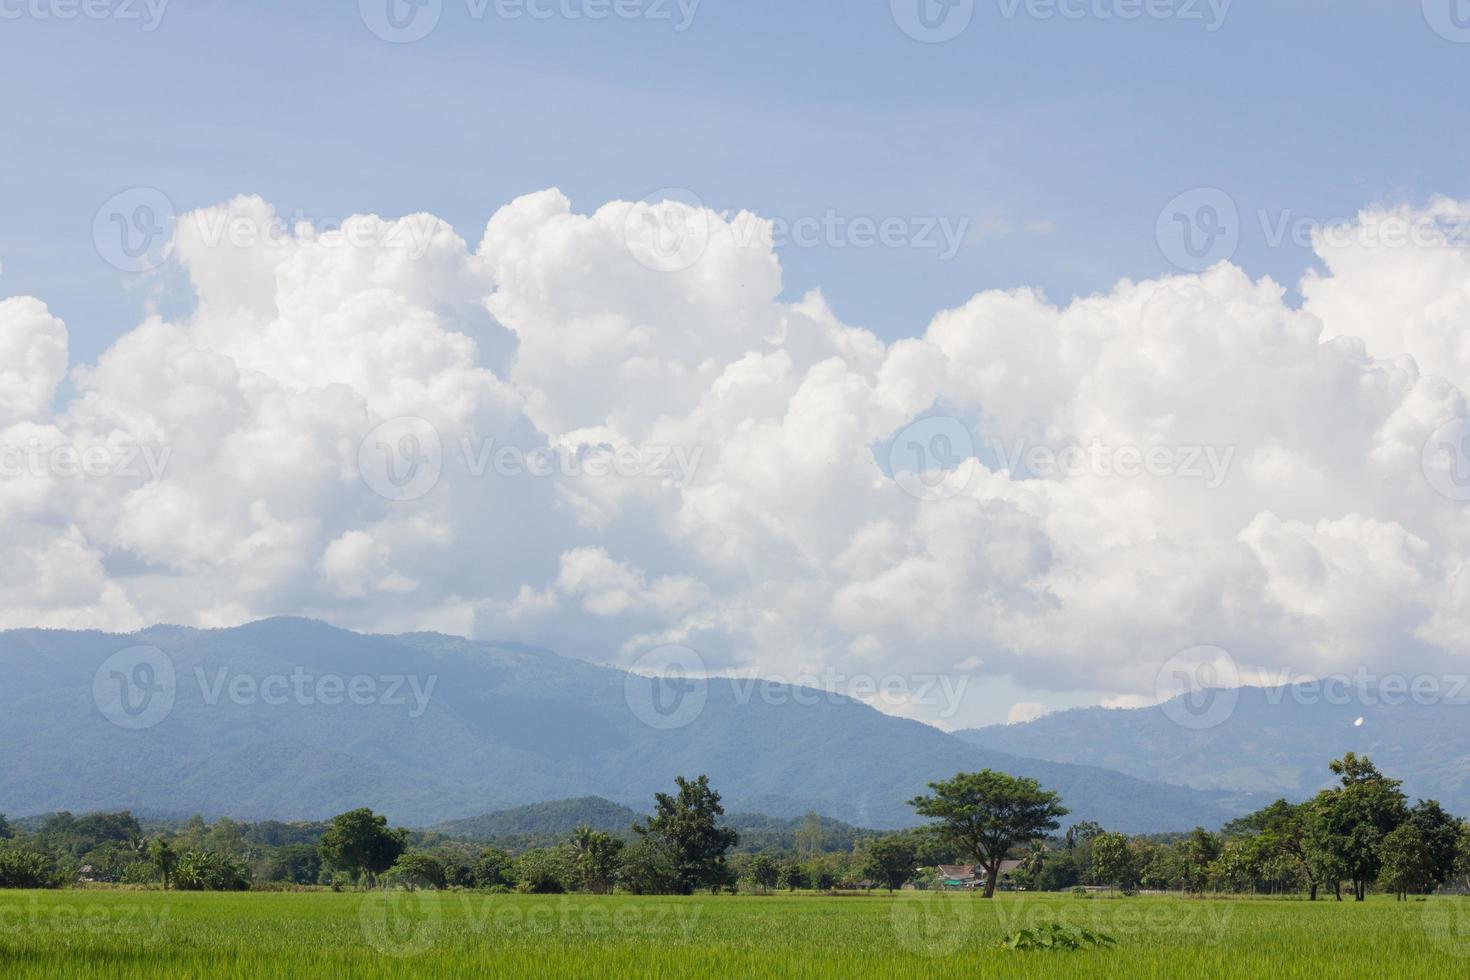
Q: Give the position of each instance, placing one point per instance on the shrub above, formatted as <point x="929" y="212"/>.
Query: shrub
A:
<point x="1055" y="936"/>
<point x="25" y="869"/>
<point x="206" y="871"/>
<point x="543" y="872"/>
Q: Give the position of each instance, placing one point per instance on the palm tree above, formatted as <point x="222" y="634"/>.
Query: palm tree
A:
<point x="163" y="858"/>
<point x="1034" y="860"/>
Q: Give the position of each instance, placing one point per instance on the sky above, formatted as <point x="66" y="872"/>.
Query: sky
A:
<point x="1058" y="181"/>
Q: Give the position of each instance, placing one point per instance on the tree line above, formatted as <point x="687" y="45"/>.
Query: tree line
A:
<point x="1359" y="834"/>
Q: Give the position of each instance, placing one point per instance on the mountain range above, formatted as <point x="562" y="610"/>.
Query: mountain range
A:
<point x="468" y="727"/>
<point x="1275" y="741"/>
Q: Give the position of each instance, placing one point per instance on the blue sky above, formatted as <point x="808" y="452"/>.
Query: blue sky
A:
<point x="1080" y="128"/>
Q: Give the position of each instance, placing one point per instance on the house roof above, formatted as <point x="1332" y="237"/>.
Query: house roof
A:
<point x="958" y="871"/>
<point x="963" y="872"/>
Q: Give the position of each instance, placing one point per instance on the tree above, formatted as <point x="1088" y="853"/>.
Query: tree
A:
<point x="163" y="858"/>
<point x="1286" y="828"/>
<point x="225" y="838"/>
<point x="299" y="864"/>
<point x="1241" y="863"/>
<point x="688" y="827"/>
<point x="762" y="872"/>
<point x="416" y="869"/>
<point x="492" y="869"/>
<point x="1112" y="861"/>
<point x="359" y="842"/>
<point x="1353" y="819"/>
<point x="1441" y="835"/>
<point x="647" y="868"/>
<point x="809" y="837"/>
<point x="1406" y="864"/>
<point x="987" y="813"/>
<point x="1080" y="833"/>
<point x="1033" y="863"/>
<point x="545" y="871"/>
<point x="5" y="830"/>
<point x="792" y="876"/>
<point x="596" y="858"/>
<point x="1196" y="854"/>
<point x="890" y="861"/>
<point x="21" y="868"/>
<point x="205" y="871"/>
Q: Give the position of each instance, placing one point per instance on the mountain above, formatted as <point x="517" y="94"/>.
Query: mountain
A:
<point x="556" y="818"/>
<point x="543" y="824"/>
<point x="1275" y="741"/>
<point x="295" y="719"/>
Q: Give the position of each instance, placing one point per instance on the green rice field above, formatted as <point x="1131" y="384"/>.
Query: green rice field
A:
<point x="144" y="934"/>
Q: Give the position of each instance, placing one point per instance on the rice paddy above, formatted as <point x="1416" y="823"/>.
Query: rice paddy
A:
<point x="136" y="934"/>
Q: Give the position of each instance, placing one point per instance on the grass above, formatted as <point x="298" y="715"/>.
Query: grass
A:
<point x="127" y="935"/>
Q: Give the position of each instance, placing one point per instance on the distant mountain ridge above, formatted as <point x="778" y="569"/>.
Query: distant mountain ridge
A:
<point x="552" y="818"/>
<point x="485" y="727"/>
<point x="1275" y="741"/>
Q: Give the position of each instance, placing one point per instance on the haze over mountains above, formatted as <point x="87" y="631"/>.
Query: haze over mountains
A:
<point x="468" y="728"/>
<point x="1276" y="741"/>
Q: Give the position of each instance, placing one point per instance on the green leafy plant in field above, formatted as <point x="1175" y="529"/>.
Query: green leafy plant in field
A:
<point x="1055" y="936"/>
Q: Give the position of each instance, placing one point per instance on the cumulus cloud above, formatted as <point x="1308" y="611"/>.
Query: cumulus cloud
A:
<point x="1025" y="711"/>
<point x="1175" y="462"/>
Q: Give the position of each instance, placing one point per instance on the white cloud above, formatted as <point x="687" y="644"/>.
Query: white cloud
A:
<point x="1025" y="711"/>
<point x="32" y="359"/>
<point x="788" y="549"/>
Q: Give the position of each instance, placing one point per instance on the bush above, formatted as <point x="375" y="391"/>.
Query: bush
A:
<point x="25" y="869"/>
<point x="645" y="868"/>
<point x="1055" y="936"/>
<point x="205" y="871"/>
<point x="543" y="872"/>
